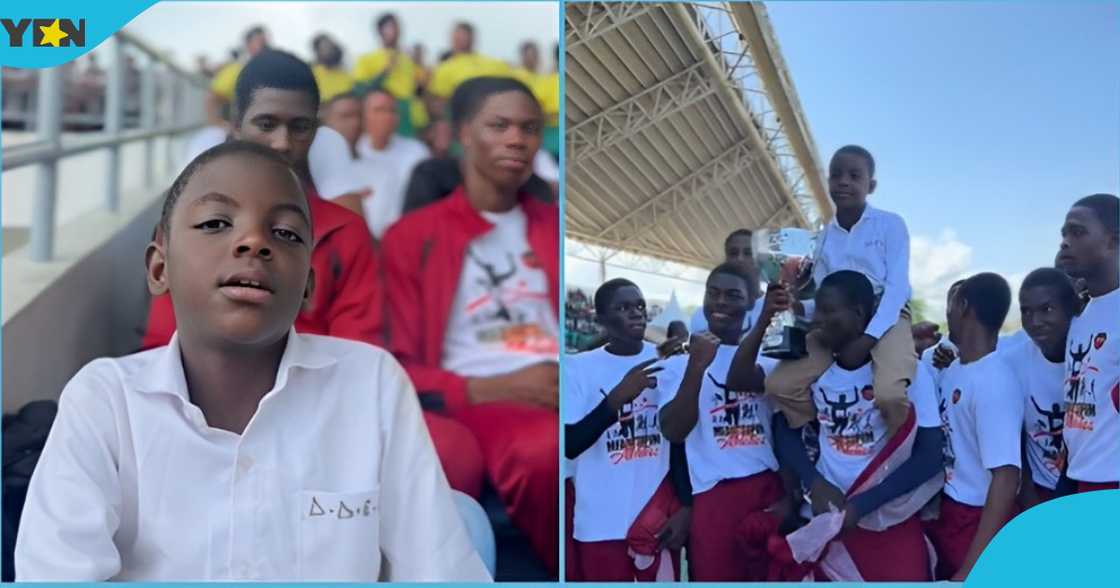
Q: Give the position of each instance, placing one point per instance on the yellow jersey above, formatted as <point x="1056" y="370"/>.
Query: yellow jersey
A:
<point x="331" y="82"/>
<point x="460" y="68"/>
<point x="225" y="81"/>
<point x="401" y="82"/>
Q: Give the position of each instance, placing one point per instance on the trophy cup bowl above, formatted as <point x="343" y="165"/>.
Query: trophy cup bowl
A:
<point x="785" y="256"/>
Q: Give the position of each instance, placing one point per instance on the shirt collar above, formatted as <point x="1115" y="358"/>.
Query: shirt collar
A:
<point x="165" y="375"/>
<point x="868" y="212"/>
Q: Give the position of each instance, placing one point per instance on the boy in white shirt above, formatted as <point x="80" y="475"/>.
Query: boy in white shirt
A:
<point x="1089" y="252"/>
<point x="982" y="410"/>
<point x="725" y="428"/>
<point x="242" y="450"/>
<point x="1047" y="304"/>
<point x="875" y="243"/>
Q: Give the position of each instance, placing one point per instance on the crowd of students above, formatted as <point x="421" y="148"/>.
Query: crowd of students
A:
<point x="302" y="344"/>
<point x="862" y="460"/>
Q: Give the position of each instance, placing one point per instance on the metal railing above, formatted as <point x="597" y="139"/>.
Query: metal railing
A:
<point x="172" y="102"/>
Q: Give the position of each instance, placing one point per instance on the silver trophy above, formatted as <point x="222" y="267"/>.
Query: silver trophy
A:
<point x="785" y="255"/>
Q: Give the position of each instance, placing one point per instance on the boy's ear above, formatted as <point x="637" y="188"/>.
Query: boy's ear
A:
<point x="155" y="261"/>
<point x="308" y="291"/>
<point x="871" y="186"/>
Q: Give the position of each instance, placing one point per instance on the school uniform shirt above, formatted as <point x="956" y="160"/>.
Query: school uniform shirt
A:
<point x="502" y="318"/>
<point x="1041" y="383"/>
<point x="699" y="323"/>
<point x="982" y="413"/>
<point x="1092" y="402"/>
<point x="732" y="437"/>
<point x="877" y="246"/>
<point x="927" y="355"/>
<point x="618" y="475"/>
<point x="334" y="478"/>
<point x="852" y="430"/>
<point x="389" y="171"/>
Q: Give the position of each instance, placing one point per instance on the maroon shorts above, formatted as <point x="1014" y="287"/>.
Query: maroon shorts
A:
<point x="952" y="534"/>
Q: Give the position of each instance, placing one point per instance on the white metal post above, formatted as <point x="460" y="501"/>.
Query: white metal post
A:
<point x="114" y="110"/>
<point x="49" y="124"/>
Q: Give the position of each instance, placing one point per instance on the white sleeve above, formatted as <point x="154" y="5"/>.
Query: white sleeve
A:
<point x="423" y="537"/>
<point x="669" y="379"/>
<point x="896" y="287"/>
<point x="575" y="402"/>
<point x="999" y="417"/>
<point x="923" y="395"/>
<point x="74" y="502"/>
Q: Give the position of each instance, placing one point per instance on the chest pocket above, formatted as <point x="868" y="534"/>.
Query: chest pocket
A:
<point x="339" y="536"/>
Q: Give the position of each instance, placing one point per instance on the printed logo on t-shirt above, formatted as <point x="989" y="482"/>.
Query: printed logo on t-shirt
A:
<point x="1047" y="433"/>
<point x="636" y="435"/>
<point x="950" y="458"/>
<point x="1081" y="393"/>
<point x="736" y="418"/>
<point x="498" y="311"/>
<point x="849" y="429"/>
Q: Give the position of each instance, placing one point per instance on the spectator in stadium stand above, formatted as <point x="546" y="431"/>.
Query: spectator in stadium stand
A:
<point x="473" y="287"/>
<point x="391" y="68"/>
<point x="462" y="65"/>
<point x="343" y="113"/>
<point x="277" y="102"/>
<point x="386" y="159"/>
<point x="530" y="62"/>
<point x="218" y="102"/>
<point x="329" y="74"/>
<point x="422" y="71"/>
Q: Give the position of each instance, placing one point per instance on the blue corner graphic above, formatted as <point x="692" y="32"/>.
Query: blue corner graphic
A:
<point x="49" y="33"/>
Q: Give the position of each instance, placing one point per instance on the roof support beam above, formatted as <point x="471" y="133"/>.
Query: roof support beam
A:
<point x="599" y="18"/>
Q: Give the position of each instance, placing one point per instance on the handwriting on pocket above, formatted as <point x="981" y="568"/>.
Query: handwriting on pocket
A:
<point x="341" y="510"/>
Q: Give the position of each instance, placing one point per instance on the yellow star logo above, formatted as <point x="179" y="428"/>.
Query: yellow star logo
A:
<point x="52" y="34"/>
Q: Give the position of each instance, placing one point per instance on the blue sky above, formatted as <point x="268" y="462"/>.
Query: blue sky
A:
<point x="987" y="120"/>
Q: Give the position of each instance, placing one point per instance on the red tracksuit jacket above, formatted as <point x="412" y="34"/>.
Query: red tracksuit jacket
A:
<point x="348" y="299"/>
<point x="422" y="256"/>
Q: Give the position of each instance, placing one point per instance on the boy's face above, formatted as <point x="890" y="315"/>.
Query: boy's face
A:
<point x="737" y="250"/>
<point x="237" y="259"/>
<point x="726" y="301"/>
<point x="1086" y="244"/>
<point x="626" y="315"/>
<point x="837" y="321"/>
<point x="849" y="180"/>
<point x="381" y="117"/>
<point x="389" y="32"/>
<point x="503" y="137"/>
<point x="1044" y="318"/>
<point x="956" y="313"/>
<point x="283" y="120"/>
<point x="345" y="116"/>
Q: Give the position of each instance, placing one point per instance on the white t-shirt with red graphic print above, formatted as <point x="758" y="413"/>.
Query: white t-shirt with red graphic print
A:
<point x="1040" y="382"/>
<point x="502" y="319"/>
<point x="982" y="410"/>
<point x="616" y="477"/>
<point x="852" y="430"/>
<point x="732" y="437"/>
<point x="1092" y="401"/>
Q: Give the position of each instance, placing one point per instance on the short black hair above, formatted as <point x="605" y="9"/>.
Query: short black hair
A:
<point x="854" y="287"/>
<point x="732" y="269"/>
<point x="860" y="151"/>
<point x="350" y="95"/>
<point x="605" y="294"/>
<point x="466" y="26"/>
<point x="472" y="94"/>
<point x="953" y="286"/>
<point x="212" y="154"/>
<point x="1107" y="209"/>
<point x="385" y="19"/>
<point x="529" y="45"/>
<point x="989" y="296"/>
<point x="1058" y="280"/>
<point x="254" y="31"/>
<point x="737" y="233"/>
<point x="274" y="69"/>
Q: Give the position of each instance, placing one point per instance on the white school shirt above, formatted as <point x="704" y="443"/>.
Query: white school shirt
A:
<point x="1092" y="427"/>
<point x="982" y="412"/>
<point x="878" y="246"/>
<point x="732" y="437"/>
<point x="392" y="167"/>
<point x="334" y="478"/>
<point x="852" y="430"/>
<point x="1043" y="395"/>
<point x="927" y="356"/>
<point x="502" y="318"/>
<point x="699" y="323"/>
<point x="615" y="477"/>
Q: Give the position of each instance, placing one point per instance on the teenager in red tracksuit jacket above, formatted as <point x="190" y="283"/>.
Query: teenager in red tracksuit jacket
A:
<point x="472" y="283"/>
<point x="277" y="106"/>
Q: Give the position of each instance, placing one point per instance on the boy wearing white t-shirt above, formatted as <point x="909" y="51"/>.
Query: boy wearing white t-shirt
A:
<point x="875" y="243"/>
<point x="982" y="410"/>
<point x="726" y="432"/>
<point x="878" y="481"/>
<point x="622" y="461"/>
<point x="1089" y="252"/>
<point x="242" y="450"/>
<point x="1047" y="303"/>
